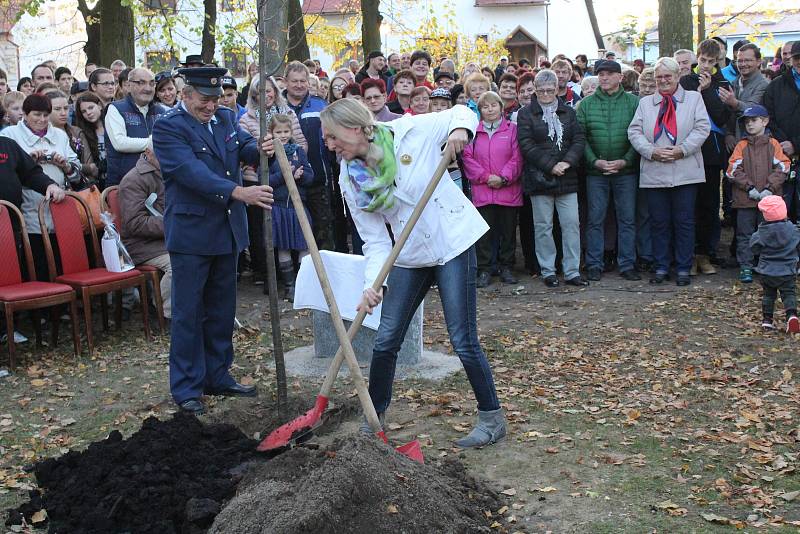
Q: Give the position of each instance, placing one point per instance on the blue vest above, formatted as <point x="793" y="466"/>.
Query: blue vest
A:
<point x="136" y="125"/>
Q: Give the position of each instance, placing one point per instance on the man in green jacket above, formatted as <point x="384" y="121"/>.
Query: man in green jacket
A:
<point x="611" y="165"/>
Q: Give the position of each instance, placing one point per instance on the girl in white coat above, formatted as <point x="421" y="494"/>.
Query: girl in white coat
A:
<point x="385" y="169"/>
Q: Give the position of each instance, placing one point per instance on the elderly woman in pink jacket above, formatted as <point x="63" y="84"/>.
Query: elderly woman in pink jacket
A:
<point x="493" y="165"/>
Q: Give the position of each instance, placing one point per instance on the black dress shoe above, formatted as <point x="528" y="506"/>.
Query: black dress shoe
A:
<point x="594" y="275"/>
<point x="578" y="281"/>
<point x="631" y="275"/>
<point x="683" y="280"/>
<point x="483" y="280"/>
<point x="659" y="278"/>
<point x="507" y="277"/>
<point x="236" y="390"/>
<point x="551" y="281"/>
<point x="192" y="406"/>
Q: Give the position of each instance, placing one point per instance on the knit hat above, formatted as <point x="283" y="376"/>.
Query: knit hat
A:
<point x="374" y="54"/>
<point x="441" y="92"/>
<point x="773" y="208"/>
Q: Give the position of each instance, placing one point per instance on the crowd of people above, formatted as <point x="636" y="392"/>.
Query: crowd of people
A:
<point x="584" y="166"/>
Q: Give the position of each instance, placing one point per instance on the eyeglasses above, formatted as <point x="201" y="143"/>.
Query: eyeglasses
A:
<point x="375" y="97"/>
<point x="106" y="84"/>
<point x="142" y="83"/>
<point x="338" y="87"/>
<point x="545" y="91"/>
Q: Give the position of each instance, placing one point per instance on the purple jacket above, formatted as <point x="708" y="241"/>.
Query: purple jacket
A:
<point x="499" y="155"/>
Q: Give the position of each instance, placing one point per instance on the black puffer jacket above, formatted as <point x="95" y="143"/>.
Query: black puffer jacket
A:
<point x="782" y="100"/>
<point x="714" y="152"/>
<point x="541" y="153"/>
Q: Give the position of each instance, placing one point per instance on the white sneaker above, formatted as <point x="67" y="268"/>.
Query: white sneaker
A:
<point x="767" y="325"/>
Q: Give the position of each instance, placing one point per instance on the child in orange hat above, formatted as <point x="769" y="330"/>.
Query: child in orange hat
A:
<point x="777" y="243"/>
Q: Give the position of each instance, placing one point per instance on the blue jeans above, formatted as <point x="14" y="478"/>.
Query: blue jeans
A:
<point x="567" y="206"/>
<point x="598" y="189"/>
<point x="672" y="226"/>
<point x="406" y="289"/>
<point x="644" y="238"/>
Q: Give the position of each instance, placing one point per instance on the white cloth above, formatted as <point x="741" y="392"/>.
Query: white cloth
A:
<point x="449" y="224"/>
<point x="118" y="134"/>
<point x="346" y="275"/>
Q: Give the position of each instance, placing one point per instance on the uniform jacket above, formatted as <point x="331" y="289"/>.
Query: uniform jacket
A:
<point x="449" y="224"/>
<point x="759" y="162"/>
<point x="200" y="171"/>
<point x="782" y="100"/>
<point x="693" y="129"/>
<point x="499" y="155"/>
<point x="318" y="154"/>
<point x="777" y="245"/>
<point x="605" y="119"/>
<point x="542" y="153"/>
<point x="55" y="141"/>
<point x="714" y="152"/>
<point x="142" y="232"/>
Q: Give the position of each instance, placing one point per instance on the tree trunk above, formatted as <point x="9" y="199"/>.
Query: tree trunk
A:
<point x="298" y="46"/>
<point x="598" y="37"/>
<point x="93" y="31"/>
<point x="701" y="21"/>
<point x="209" y="41"/>
<point x="370" y="26"/>
<point x="116" y="33"/>
<point x="674" y="26"/>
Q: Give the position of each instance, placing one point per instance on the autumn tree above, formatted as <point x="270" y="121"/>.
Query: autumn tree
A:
<point x="109" y="31"/>
<point x="675" y="23"/>
<point x="370" y="26"/>
<point x="209" y="38"/>
<point x="298" y="45"/>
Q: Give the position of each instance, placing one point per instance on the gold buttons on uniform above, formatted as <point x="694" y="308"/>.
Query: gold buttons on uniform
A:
<point x="405" y="159"/>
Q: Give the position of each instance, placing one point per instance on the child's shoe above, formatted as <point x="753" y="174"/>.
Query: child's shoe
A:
<point x="793" y="325"/>
<point x="767" y="325"/>
<point x="746" y="276"/>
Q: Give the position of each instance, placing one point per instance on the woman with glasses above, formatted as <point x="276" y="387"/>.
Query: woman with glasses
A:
<point x="166" y="91"/>
<point x="374" y="94"/>
<point x="103" y="84"/>
<point x="338" y="83"/>
<point x="420" y="101"/>
<point x="552" y="143"/>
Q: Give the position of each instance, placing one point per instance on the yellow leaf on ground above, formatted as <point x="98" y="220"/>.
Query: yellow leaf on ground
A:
<point x="39" y="516"/>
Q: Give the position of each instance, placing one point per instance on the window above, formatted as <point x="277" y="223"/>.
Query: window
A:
<point x="232" y="5"/>
<point x="236" y="62"/>
<point x="158" y="5"/>
<point x="158" y="60"/>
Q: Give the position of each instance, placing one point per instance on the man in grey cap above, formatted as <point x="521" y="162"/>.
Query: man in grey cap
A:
<point x="199" y="146"/>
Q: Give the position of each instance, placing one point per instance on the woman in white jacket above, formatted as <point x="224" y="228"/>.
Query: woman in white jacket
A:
<point x="49" y="147"/>
<point x="385" y="169"/>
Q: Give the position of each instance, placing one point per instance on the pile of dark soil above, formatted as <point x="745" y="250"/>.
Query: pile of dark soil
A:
<point x="358" y="485"/>
<point x="169" y="477"/>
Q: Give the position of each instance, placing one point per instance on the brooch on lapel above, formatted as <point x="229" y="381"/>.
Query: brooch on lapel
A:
<point x="405" y="159"/>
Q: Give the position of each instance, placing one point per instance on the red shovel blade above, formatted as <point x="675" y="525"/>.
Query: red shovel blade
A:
<point x="412" y="449"/>
<point x="283" y="435"/>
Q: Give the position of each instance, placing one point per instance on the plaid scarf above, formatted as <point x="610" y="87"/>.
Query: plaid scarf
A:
<point x="667" y="121"/>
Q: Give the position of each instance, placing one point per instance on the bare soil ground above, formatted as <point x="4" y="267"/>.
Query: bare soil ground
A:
<point x="632" y="408"/>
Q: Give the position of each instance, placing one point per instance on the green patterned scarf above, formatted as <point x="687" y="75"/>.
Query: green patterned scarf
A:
<point x="374" y="189"/>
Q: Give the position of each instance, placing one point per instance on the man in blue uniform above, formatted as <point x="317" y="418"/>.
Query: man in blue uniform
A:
<point x="200" y="146"/>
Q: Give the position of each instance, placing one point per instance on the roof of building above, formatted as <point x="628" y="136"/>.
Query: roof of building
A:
<point x="331" y="7"/>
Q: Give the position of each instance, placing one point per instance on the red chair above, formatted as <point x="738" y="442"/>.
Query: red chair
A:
<point x="75" y="263"/>
<point x="109" y="201"/>
<point x="18" y="295"/>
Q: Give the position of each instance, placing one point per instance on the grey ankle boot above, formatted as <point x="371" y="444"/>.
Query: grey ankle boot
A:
<point x="366" y="429"/>
<point x="491" y="428"/>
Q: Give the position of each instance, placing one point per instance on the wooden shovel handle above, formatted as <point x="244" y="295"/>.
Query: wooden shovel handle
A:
<point x="400" y="241"/>
<point x="336" y="317"/>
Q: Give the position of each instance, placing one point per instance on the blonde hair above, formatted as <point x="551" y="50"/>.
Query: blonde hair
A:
<point x="280" y="118"/>
<point x="473" y="79"/>
<point x="348" y="113"/>
<point x="648" y="74"/>
<point x="12" y="97"/>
